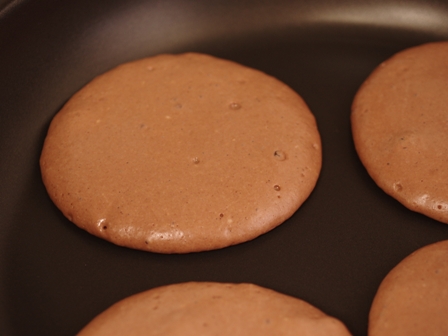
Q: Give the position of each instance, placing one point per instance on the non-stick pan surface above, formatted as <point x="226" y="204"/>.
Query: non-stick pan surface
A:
<point x="333" y="252"/>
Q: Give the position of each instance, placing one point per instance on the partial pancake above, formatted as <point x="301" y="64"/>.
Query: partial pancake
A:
<point x="213" y="309"/>
<point x="400" y="128"/>
<point x="413" y="298"/>
<point x="181" y="153"/>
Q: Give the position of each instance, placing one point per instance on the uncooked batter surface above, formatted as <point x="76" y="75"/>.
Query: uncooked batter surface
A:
<point x="400" y="128"/>
<point x="413" y="298"/>
<point x="181" y="153"/>
<point x="213" y="309"/>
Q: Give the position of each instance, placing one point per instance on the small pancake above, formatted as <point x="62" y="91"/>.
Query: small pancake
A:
<point x="413" y="298"/>
<point x="400" y="122"/>
<point x="181" y="153"/>
<point x="205" y="308"/>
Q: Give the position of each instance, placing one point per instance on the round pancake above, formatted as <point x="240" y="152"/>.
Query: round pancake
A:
<point x="413" y="298"/>
<point x="201" y="308"/>
<point x="400" y="128"/>
<point x="181" y="153"/>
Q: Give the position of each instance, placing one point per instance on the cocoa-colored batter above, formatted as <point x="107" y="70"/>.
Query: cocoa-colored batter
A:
<point x="181" y="153"/>
<point x="413" y="298"/>
<point x="213" y="309"/>
<point x="400" y="128"/>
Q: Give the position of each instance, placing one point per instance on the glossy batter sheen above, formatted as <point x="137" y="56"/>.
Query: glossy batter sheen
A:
<point x="181" y="153"/>
<point x="213" y="309"/>
<point x="413" y="299"/>
<point x="400" y="128"/>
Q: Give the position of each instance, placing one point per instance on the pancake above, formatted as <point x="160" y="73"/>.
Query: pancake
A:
<point x="413" y="298"/>
<point x="400" y="122"/>
<point x="201" y="308"/>
<point x="181" y="153"/>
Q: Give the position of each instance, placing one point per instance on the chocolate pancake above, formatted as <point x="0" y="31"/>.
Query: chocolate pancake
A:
<point x="400" y="122"/>
<point x="213" y="309"/>
<point x="181" y="153"/>
<point x="413" y="298"/>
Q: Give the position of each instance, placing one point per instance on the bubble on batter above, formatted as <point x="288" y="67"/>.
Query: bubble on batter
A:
<point x="398" y="186"/>
<point x="235" y="106"/>
<point x="277" y="187"/>
<point x="102" y="224"/>
<point x="421" y="200"/>
<point x="442" y="206"/>
<point x="195" y="160"/>
<point x="280" y="155"/>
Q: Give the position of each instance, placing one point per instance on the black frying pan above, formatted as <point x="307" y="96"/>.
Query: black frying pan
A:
<point x="333" y="252"/>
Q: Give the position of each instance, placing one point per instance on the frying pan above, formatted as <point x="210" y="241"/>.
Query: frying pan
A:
<point x="333" y="252"/>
